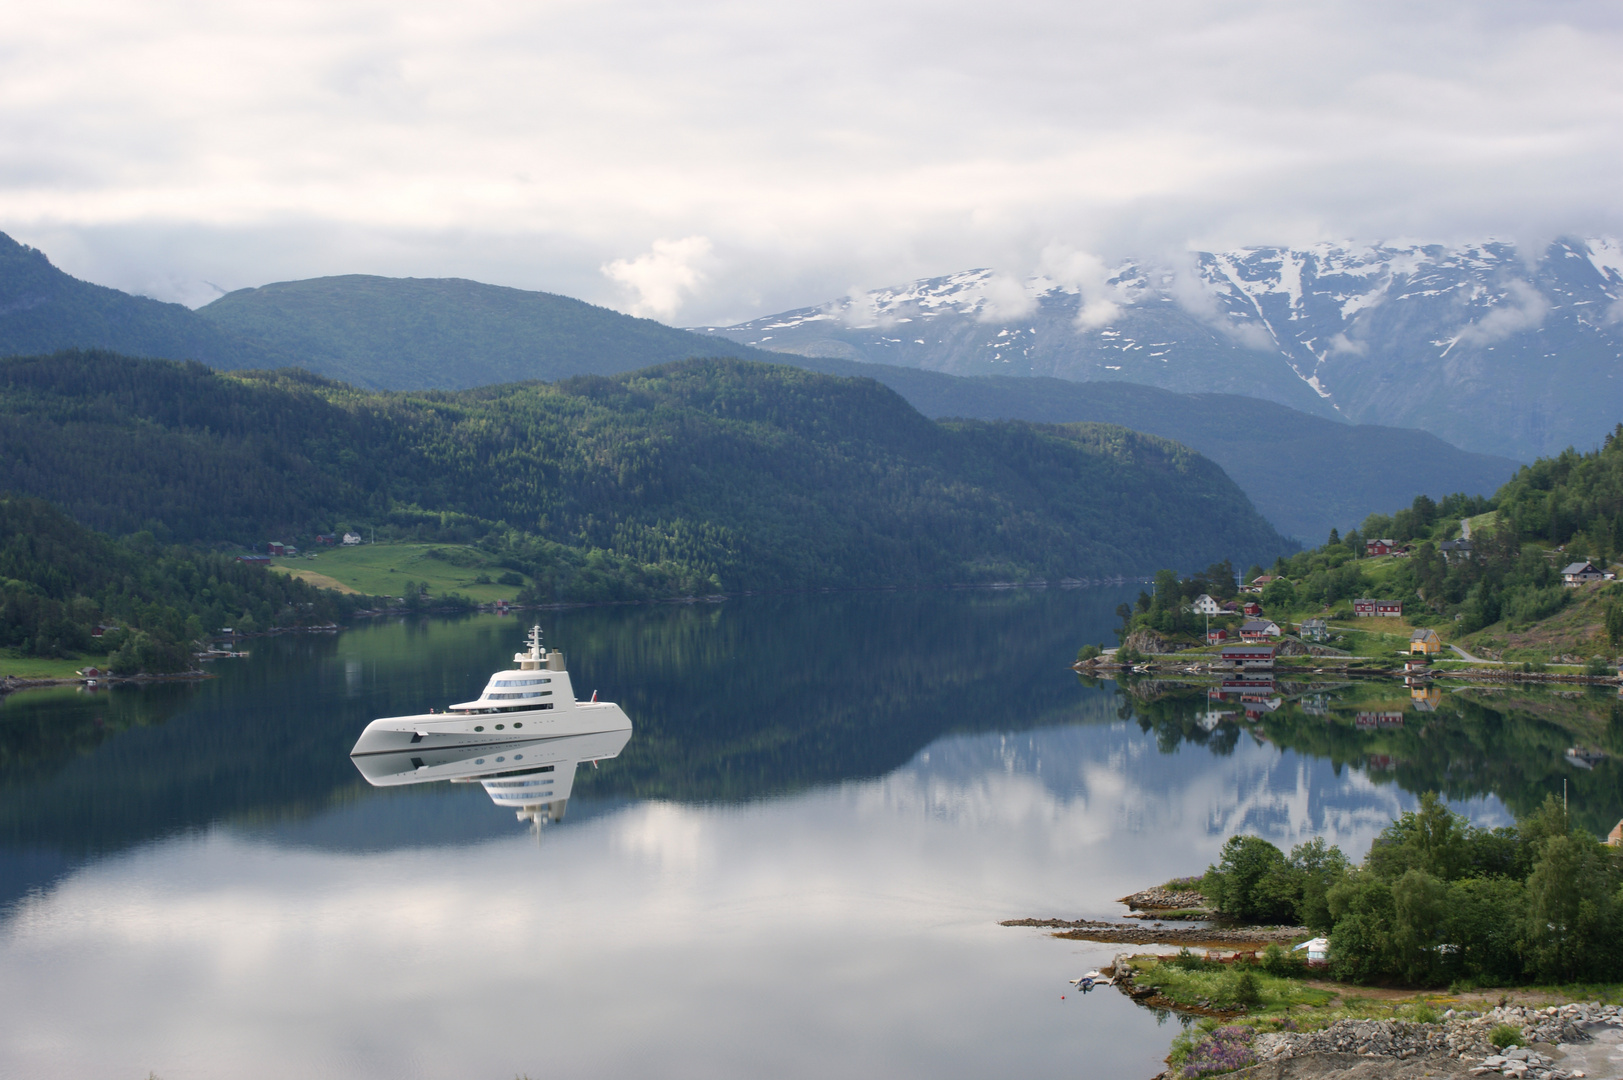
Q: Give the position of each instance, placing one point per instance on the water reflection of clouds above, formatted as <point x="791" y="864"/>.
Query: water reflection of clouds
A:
<point x="849" y="929"/>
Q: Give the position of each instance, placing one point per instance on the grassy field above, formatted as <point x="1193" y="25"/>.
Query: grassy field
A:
<point x="384" y="569"/>
<point x="24" y="667"/>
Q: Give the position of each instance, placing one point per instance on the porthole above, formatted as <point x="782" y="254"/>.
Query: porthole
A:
<point x="518" y="725"/>
<point x="518" y="757"/>
<point x="478" y="727"/>
<point x="501" y="759"/>
<point x="500" y="726"/>
<point x="481" y="761"/>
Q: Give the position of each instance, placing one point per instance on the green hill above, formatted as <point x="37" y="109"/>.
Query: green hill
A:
<point x="448" y="333"/>
<point x="1307" y="475"/>
<point x="698" y="476"/>
<point x="43" y="309"/>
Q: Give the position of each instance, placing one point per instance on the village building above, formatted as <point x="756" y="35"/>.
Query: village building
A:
<point x="276" y="548"/>
<point x="1205" y="605"/>
<point x="351" y="539"/>
<point x="1251" y="607"/>
<point x="1213" y="637"/>
<point x="1578" y="573"/>
<point x="1454" y="550"/>
<point x="1380" y="547"/>
<point x="1249" y="656"/>
<point x="1425" y="642"/>
<point x="1258" y="630"/>
<point x="256" y="559"/>
<point x="1315" y="629"/>
<point x="1383" y="608"/>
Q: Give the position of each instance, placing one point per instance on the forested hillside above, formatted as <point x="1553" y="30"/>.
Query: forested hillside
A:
<point x="699" y="476"/>
<point x="448" y="333"/>
<point x="59" y="581"/>
<point x="43" y="309"/>
<point x="1306" y="474"/>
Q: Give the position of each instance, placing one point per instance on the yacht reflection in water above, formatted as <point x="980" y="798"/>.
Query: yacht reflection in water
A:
<point x="532" y="778"/>
<point x="522" y="742"/>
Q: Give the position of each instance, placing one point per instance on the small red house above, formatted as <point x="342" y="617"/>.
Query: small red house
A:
<point x="275" y="548"/>
<point x="1380" y="547"/>
<point x="1215" y="636"/>
<point x="1252" y="608"/>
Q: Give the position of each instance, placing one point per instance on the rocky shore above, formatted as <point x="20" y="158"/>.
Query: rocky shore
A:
<point x="1555" y="1047"/>
<point x="1139" y="934"/>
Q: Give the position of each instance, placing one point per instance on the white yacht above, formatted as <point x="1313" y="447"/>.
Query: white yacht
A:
<point x="533" y="778"/>
<point x="533" y="700"/>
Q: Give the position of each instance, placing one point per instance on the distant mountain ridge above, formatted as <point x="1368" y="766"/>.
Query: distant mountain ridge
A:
<point x="448" y="333"/>
<point x="1472" y="342"/>
<point x="375" y="332"/>
<point x="1306" y="474"/>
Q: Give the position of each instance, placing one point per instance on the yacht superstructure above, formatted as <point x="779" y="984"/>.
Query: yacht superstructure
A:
<point x="531" y="701"/>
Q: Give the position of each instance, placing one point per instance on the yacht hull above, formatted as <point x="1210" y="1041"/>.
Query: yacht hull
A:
<point x="445" y="731"/>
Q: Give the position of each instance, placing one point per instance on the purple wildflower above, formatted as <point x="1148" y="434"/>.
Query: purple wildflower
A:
<point x="1224" y="1050"/>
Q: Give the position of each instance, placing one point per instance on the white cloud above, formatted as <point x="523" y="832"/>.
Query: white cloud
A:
<point x="1523" y="308"/>
<point x="661" y="279"/>
<point x="532" y="144"/>
<point x="1087" y="273"/>
<point x="1343" y="344"/>
<point x="1004" y="298"/>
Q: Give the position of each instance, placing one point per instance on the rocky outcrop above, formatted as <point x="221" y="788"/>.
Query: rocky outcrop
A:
<point x="1563" y="1024"/>
<point x="1151" y="643"/>
<point x="1162" y="898"/>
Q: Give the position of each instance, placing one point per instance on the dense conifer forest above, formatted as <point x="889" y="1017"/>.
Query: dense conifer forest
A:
<point x="692" y="477"/>
<point x="62" y="585"/>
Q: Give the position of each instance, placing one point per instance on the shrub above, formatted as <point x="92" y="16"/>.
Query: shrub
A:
<point x="1504" y="1035"/>
<point x="1087" y="652"/>
<point x="516" y="580"/>
<point x="1247" y="991"/>
<point x="1224" y="1050"/>
<point x="1188" y="961"/>
<point x="1425" y="1014"/>
<point x="1281" y="964"/>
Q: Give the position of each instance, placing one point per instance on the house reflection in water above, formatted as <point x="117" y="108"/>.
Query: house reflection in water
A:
<point x="1425" y="698"/>
<point x="534" y="779"/>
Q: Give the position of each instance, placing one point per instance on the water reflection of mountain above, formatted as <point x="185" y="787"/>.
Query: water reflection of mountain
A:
<point x="755" y="697"/>
<point x="1465" y="742"/>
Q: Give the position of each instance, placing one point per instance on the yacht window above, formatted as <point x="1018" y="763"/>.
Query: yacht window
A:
<point x="518" y="724"/>
<point x="500" y="726"/>
<point x="525" y="694"/>
<point x="478" y="727"/>
<point x="520" y="682"/>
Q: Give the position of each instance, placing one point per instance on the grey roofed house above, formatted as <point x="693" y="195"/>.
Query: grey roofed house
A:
<point x="1258" y="628"/>
<point x="1315" y="629"/>
<point x="1579" y="572"/>
<point x="1454" y="549"/>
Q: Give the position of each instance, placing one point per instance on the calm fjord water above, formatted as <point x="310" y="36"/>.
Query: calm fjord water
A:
<point x="795" y="868"/>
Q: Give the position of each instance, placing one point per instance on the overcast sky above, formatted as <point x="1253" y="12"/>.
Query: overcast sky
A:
<point x="711" y="160"/>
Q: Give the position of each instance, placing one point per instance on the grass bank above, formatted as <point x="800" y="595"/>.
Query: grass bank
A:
<point x="384" y="569"/>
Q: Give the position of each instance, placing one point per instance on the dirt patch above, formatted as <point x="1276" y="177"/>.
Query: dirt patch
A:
<point x="1325" y="1066"/>
<point x="320" y="581"/>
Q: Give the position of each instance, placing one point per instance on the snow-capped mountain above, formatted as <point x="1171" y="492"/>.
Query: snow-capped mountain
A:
<point x="1491" y="351"/>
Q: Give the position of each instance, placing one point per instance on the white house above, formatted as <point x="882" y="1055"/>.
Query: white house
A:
<point x="1205" y="605"/>
<point x="351" y="539"/>
<point x="1318" y="950"/>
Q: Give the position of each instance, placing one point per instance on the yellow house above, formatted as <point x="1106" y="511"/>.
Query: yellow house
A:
<point x="1425" y="643"/>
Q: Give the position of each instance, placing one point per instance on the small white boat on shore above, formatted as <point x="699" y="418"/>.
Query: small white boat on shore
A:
<point x="532" y="700"/>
